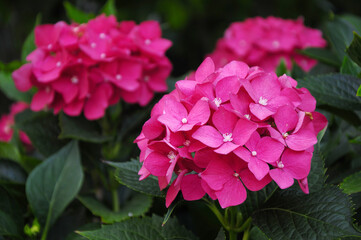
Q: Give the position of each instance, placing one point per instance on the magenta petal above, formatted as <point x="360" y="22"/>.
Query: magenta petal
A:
<point x="157" y="164"/>
<point x="97" y="103"/>
<point x="171" y="194"/>
<point x="204" y="156"/>
<point x="304" y="185"/>
<point x="226" y="148"/>
<point x="243" y="131"/>
<point x="233" y="193"/>
<point x="301" y="140"/>
<point x="259" y="168"/>
<point x="170" y="121"/>
<point x="261" y="112"/>
<point x="266" y="86"/>
<point x="209" y="136"/>
<point x="208" y="190"/>
<point x="200" y="113"/>
<point x="269" y="149"/>
<point x="191" y="187"/>
<point x="74" y="108"/>
<point x="281" y="177"/>
<point x="186" y="87"/>
<point x="162" y="182"/>
<point x="319" y="121"/>
<point x="152" y="128"/>
<point x="22" y="77"/>
<point x="250" y="181"/>
<point x="227" y="86"/>
<point x="243" y="153"/>
<point x="144" y="173"/>
<point x="286" y="118"/>
<point x="224" y="120"/>
<point x="297" y="164"/>
<point x="41" y="99"/>
<point x="204" y="70"/>
<point x="217" y="174"/>
<point x="234" y="68"/>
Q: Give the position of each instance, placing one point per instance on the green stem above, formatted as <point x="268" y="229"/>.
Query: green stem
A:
<point x="246" y="233"/>
<point x="115" y="199"/>
<point x="216" y="212"/>
<point x="232" y="235"/>
<point x="245" y="225"/>
<point x="45" y="232"/>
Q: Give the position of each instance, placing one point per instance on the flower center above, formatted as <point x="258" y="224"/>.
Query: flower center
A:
<point x="74" y="79"/>
<point x="187" y="142"/>
<point x="103" y="55"/>
<point x="262" y="101"/>
<point x="217" y="101"/>
<point x="102" y="35"/>
<point x="285" y="135"/>
<point x="118" y="77"/>
<point x="236" y="175"/>
<point x="171" y="155"/>
<point x="280" y="164"/>
<point x="93" y="45"/>
<point x="184" y="120"/>
<point x="50" y="46"/>
<point x="58" y="64"/>
<point x="227" y="137"/>
<point x="276" y="44"/>
<point x="247" y="116"/>
<point x="147" y="41"/>
<point x="254" y="153"/>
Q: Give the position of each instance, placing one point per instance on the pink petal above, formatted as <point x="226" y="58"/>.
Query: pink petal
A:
<point x="269" y="149"/>
<point x="191" y="187"/>
<point x="199" y="114"/>
<point x="243" y="153"/>
<point x="243" y="131"/>
<point x="22" y="77"/>
<point x="233" y="193"/>
<point x="208" y="190"/>
<point x="259" y="168"/>
<point x="251" y="182"/>
<point x="227" y="86"/>
<point x="226" y="148"/>
<point x="152" y="128"/>
<point x="41" y="99"/>
<point x="204" y="70"/>
<point x="266" y="86"/>
<point x="204" y="156"/>
<point x="282" y="178"/>
<point x="301" y="140"/>
<point x="286" y="118"/>
<point x="304" y="185"/>
<point x="74" y="108"/>
<point x="217" y="174"/>
<point x="234" y="68"/>
<point x="260" y="111"/>
<point x="224" y="120"/>
<point x="97" y="103"/>
<point x="209" y="136"/>
<point x="171" y="194"/>
<point x="157" y="164"/>
<point x="319" y="121"/>
<point x="297" y="164"/>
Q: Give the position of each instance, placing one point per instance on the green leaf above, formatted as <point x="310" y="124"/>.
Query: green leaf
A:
<point x="11" y="172"/>
<point x="352" y="184"/>
<point x="138" y="205"/>
<point x="337" y="90"/>
<point x="349" y="67"/>
<point x="141" y="229"/>
<point x="322" y="55"/>
<point x="54" y="184"/>
<point x="320" y="215"/>
<point x="170" y="211"/>
<point x="355" y="21"/>
<point x="7" y="86"/>
<point x="257" y="234"/>
<point x="81" y="129"/>
<point x="127" y="174"/>
<point x="9" y="151"/>
<point x="43" y="130"/>
<point x="339" y="33"/>
<point x="109" y="8"/>
<point x="358" y="93"/>
<point x="354" y="50"/>
<point x="86" y="227"/>
<point x="29" y="44"/>
<point x="11" y="222"/>
<point x="316" y="178"/>
<point x="76" y="15"/>
<point x="282" y="68"/>
<point x="221" y="235"/>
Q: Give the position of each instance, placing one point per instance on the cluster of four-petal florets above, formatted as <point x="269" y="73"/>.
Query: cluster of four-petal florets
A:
<point x="228" y="129"/>
<point x="88" y="67"/>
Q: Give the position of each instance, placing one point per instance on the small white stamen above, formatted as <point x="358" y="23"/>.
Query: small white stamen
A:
<point x="236" y="175"/>
<point x="74" y="79"/>
<point x="227" y="137"/>
<point x="163" y="112"/>
<point x="254" y="153"/>
<point x="247" y="116"/>
<point x="147" y="41"/>
<point x="187" y="142"/>
<point x="184" y="120"/>
<point x="285" y="135"/>
<point x="217" y="101"/>
<point x="276" y="44"/>
<point x="130" y="214"/>
<point x="50" y="46"/>
<point x="76" y="29"/>
<point x="280" y="164"/>
<point x="103" y="55"/>
<point x="93" y="45"/>
<point x="102" y="35"/>
<point x="262" y="101"/>
<point x="118" y="77"/>
<point x="146" y="78"/>
<point x="58" y="64"/>
<point x="205" y="99"/>
<point x="171" y="155"/>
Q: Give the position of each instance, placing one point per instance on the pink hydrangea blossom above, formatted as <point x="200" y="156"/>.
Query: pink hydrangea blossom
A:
<point x="265" y="41"/>
<point x="223" y="132"/>
<point x="7" y="122"/>
<point x="88" y="67"/>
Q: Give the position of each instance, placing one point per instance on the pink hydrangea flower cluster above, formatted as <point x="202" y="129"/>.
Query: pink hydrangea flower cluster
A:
<point x="265" y="41"/>
<point x="227" y="130"/>
<point x="88" y="67"/>
<point x="7" y="122"/>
